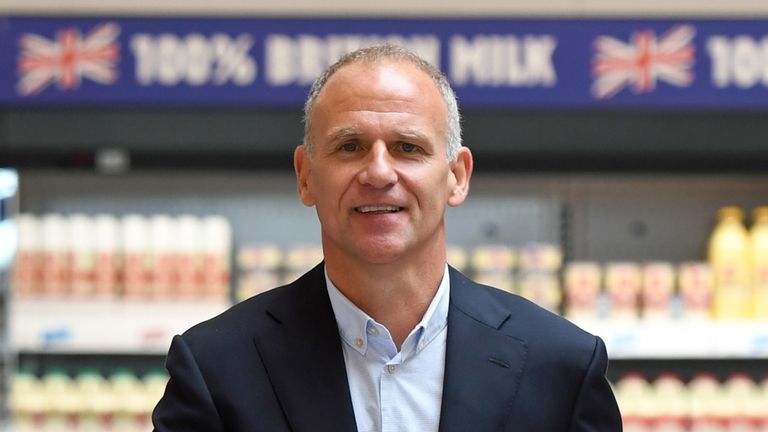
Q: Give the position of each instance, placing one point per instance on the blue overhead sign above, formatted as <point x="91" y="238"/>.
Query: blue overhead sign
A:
<point x="490" y="62"/>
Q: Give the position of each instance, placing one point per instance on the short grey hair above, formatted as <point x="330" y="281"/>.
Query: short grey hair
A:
<point x="377" y="54"/>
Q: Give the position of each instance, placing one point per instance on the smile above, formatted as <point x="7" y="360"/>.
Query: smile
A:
<point x="378" y="209"/>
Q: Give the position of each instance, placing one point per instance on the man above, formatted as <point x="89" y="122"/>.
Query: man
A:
<point x="383" y="335"/>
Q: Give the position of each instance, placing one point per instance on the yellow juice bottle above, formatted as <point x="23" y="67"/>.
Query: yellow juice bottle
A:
<point x="729" y="259"/>
<point x="759" y="252"/>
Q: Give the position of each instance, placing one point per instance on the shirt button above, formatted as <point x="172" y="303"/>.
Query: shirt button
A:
<point x="359" y="343"/>
<point x="391" y="369"/>
<point x="373" y="330"/>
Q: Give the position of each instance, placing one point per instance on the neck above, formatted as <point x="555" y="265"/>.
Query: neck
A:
<point x="394" y="294"/>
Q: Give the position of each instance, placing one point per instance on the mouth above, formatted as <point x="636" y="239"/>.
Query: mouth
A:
<point x="378" y="209"/>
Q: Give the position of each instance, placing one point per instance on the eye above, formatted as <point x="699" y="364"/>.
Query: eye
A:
<point x="349" y="147"/>
<point x="408" y="147"/>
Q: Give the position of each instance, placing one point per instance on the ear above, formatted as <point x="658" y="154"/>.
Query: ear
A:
<point x="461" y="172"/>
<point x="302" y="166"/>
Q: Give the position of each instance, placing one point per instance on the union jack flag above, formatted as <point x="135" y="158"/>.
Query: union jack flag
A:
<point x="68" y="58"/>
<point x="643" y="61"/>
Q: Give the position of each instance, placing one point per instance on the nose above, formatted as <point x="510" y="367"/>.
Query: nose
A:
<point x="378" y="171"/>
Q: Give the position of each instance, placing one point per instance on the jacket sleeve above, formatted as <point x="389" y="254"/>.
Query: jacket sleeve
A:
<point x="595" y="408"/>
<point x="187" y="405"/>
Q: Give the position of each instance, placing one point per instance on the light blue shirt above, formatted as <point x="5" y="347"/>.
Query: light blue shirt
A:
<point x="394" y="391"/>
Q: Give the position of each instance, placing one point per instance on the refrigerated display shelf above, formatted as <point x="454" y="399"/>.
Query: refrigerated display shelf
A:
<point x="103" y="326"/>
<point x="681" y="339"/>
<point x="129" y="327"/>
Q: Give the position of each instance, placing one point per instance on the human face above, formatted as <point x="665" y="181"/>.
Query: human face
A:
<point x="378" y="175"/>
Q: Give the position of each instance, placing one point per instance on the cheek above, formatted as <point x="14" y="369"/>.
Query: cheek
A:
<point x="327" y="186"/>
<point x="432" y="191"/>
<point x="439" y="181"/>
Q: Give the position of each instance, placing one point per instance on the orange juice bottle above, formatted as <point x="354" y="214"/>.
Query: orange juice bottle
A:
<point x="759" y="251"/>
<point x="729" y="259"/>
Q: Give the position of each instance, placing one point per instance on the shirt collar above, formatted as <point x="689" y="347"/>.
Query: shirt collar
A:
<point x="353" y="323"/>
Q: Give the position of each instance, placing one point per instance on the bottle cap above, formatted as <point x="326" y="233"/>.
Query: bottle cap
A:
<point x="81" y="231"/>
<point x="30" y="232"/>
<point x="760" y="214"/>
<point x="134" y="233"/>
<point x="107" y="231"/>
<point x="730" y="212"/>
<point x="54" y="229"/>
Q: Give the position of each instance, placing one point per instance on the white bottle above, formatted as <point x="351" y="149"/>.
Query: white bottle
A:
<point x="56" y="257"/>
<point x="164" y="257"/>
<point x="108" y="256"/>
<point x="96" y="401"/>
<point x="129" y="402"/>
<point x="218" y="251"/>
<point x="135" y="234"/>
<point x="27" y="403"/>
<point x="582" y="290"/>
<point x="83" y="255"/>
<point x="190" y="243"/>
<point x="27" y="271"/>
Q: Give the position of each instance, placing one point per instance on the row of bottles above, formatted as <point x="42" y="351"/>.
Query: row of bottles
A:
<point x="532" y="271"/>
<point x="705" y="404"/>
<point x="627" y="290"/>
<point x="739" y="259"/>
<point x="581" y="290"/>
<point x="265" y="266"/>
<point x="139" y="257"/>
<point x="87" y="402"/>
<point x="134" y="257"/>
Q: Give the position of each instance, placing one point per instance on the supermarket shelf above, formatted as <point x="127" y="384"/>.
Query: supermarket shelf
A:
<point x="146" y="327"/>
<point x="103" y="326"/>
<point x="683" y="339"/>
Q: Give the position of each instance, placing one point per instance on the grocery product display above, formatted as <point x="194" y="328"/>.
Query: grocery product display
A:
<point x="705" y="403"/>
<point x="130" y="257"/>
<point x="258" y="269"/>
<point x="630" y="291"/>
<point x="165" y="261"/>
<point x="739" y="258"/>
<point x="730" y="285"/>
<point x="729" y="257"/>
<point x="109" y="284"/>
<point x="535" y="276"/>
<point x="758" y="238"/>
<point x="581" y="290"/>
<point x="85" y="402"/>
<point x="9" y="181"/>
<point x="598" y="205"/>
<point x="266" y="266"/>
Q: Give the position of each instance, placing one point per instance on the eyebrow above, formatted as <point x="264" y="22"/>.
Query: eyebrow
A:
<point x="342" y="133"/>
<point x="351" y="132"/>
<point x="414" y="135"/>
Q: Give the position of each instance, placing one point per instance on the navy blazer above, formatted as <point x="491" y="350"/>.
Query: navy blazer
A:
<point x="274" y="363"/>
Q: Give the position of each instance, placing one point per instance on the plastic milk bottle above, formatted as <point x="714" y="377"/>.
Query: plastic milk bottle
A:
<point x="729" y="259"/>
<point x="759" y="251"/>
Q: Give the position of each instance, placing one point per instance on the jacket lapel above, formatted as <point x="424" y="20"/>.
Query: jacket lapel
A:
<point x="302" y="353"/>
<point x="483" y="364"/>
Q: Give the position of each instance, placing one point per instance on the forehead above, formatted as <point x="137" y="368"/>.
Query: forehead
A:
<point x="387" y="86"/>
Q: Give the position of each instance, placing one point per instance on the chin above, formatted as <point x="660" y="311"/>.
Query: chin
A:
<point x="381" y="252"/>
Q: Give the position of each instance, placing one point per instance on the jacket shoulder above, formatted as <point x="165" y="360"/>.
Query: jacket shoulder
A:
<point x="240" y="321"/>
<point x="525" y="319"/>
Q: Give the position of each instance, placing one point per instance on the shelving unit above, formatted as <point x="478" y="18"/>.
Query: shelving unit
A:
<point x="682" y="339"/>
<point x="49" y="326"/>
<point x="8" y="208"/>
<point x="665" y="217"/>
<point x="552" y="177"/>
